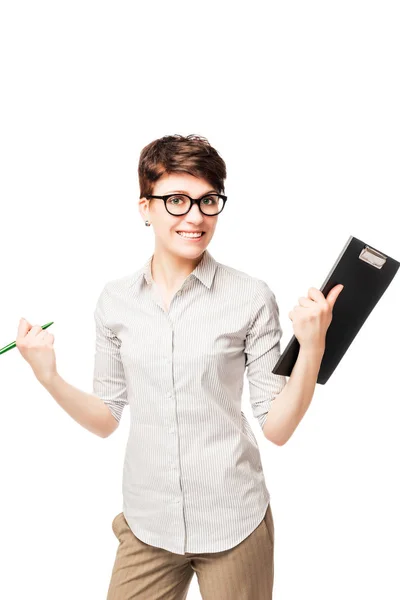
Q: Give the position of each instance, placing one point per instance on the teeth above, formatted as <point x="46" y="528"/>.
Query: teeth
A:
<point x="189" y="234"/>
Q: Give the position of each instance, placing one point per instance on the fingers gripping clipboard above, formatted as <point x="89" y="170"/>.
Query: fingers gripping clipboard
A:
<point x="365" y="273"/>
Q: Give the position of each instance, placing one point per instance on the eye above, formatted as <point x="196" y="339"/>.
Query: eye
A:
<point x="210" y="200"/>
<point x="175" y="199"/>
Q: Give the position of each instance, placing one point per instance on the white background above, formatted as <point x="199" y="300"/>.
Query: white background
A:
<point x="301" y="99"/>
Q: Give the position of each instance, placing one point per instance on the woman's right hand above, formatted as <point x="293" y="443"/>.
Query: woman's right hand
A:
<point x="36" y="346"/>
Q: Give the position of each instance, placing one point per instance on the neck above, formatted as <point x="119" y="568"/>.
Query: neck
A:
<point x="170" y="270"/>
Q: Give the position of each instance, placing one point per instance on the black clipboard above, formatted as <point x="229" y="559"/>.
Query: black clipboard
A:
<point x="365" y="273"/>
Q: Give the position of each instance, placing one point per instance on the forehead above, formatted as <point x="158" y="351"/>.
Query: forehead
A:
<point x="183" y="182"/>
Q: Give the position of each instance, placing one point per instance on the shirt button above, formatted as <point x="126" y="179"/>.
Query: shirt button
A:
<point x="177" y="500"/>
<point x="169" y="395"/>
<point x="172" y="430"/>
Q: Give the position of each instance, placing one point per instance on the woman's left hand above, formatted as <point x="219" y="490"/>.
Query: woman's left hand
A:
<point x="312" y="317"/>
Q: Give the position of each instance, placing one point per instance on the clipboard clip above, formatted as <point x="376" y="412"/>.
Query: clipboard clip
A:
<point x="373" y="257"/>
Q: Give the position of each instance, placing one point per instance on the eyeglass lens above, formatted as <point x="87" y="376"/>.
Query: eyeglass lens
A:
<point x="179" y="204"/>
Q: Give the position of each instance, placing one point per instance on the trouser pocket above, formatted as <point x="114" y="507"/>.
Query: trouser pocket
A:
<point x="115" y="524"/>
<point x="269" y="523"/>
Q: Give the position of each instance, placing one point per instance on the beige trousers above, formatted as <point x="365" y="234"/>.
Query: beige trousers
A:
<point x="144" y="572"/>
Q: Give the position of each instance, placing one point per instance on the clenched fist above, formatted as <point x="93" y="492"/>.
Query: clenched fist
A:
<point x="36" y="346"/>
<point x="313" y="315"/>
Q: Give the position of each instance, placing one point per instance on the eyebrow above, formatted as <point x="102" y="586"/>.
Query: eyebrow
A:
<point x="185" y="192"/>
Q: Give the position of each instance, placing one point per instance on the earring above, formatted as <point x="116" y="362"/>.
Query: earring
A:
<point x="147" y="224"/>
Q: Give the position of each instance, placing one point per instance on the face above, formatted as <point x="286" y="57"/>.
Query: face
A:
<point x="166" y="225"/>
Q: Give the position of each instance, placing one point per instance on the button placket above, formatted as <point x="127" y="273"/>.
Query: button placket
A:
<point x="172" y="429"/>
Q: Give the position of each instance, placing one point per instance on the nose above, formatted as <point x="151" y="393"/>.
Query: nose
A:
<point x="198" y="215"/>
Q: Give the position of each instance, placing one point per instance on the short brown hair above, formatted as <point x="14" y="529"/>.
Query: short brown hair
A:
<point x="191" y="154"/>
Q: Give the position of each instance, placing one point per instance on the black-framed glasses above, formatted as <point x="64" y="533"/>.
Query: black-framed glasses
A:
<point x="180" y="204"/>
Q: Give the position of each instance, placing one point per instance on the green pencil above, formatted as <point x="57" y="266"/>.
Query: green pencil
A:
<point x="13" y="344"/>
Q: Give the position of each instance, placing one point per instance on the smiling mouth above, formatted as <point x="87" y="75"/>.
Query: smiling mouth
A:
<point x="196" y="236"/>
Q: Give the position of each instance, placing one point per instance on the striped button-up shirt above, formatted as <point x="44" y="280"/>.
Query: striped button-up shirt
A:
<point x="192" y="477"/>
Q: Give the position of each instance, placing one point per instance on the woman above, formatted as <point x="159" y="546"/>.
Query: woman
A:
<point x="173" y="341"/>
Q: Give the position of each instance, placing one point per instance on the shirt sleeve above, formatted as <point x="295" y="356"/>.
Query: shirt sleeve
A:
<point x="262" y="350"/>
<point x="109" y="381"/>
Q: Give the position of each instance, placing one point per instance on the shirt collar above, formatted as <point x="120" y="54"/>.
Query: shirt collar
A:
<point x="204" y="271"/>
